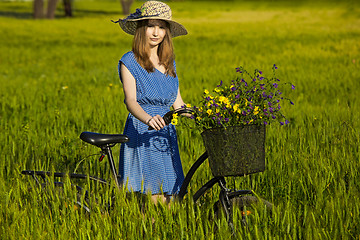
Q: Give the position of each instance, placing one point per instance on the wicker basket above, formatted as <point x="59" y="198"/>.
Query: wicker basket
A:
<point x="236" y="150"/>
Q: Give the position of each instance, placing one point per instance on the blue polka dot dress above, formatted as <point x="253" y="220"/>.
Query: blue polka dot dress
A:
<point x="150" y="161"/>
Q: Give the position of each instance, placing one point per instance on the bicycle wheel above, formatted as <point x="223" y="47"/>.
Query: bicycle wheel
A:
<point x="78" y="200"/>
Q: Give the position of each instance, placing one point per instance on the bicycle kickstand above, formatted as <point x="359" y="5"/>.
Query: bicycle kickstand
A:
<point x="226" y="203"/>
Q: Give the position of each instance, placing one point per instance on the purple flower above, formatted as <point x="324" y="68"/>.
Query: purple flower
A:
<point x="275" y="66"/>
<point x="281" y="123"/>
<point x="192" y="116"/>
<point x="233" y="89"/>
<point x="273" y="116"/>
<point x="287" y="121"/>
<point x="260" y="72"/>
<point x="291" y="103"/>
<point x="226" y="119"/>
<point x="270" y="96"/>
<point x="237" y="96"/>
<point x="261" y="78"/>
<point x="269" y="103"/>
<point x="271" y="110"/>
<point x="242" y="80"/>
<point x="292" y="87"/>
<point x="275" y="85"/>
<point x="221" y="82"/>
<point x="238" y="70"/>
<point x="264" y="95"/>
<point x="265" y="123"/>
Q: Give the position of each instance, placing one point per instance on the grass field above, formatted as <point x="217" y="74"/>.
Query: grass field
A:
<point x="59" y="78"/>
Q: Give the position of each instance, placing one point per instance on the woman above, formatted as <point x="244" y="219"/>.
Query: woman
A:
<point x="150" y="161"/>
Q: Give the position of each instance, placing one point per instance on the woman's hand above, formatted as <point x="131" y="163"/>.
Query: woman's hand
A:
<point x="156" y="122"/>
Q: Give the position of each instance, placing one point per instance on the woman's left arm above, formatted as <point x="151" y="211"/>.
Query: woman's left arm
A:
<point x="179" y="101"/>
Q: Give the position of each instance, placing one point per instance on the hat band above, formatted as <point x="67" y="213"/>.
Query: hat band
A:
<point x="138" y="15"/>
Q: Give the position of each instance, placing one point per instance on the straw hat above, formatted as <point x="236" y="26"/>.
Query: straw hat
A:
<point x="151" y="10"/>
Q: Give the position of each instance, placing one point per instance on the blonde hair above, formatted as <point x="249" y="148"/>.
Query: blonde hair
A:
<point x="165" y="50"/>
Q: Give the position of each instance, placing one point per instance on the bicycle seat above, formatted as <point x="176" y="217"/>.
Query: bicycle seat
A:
<point x="100" y="140"/>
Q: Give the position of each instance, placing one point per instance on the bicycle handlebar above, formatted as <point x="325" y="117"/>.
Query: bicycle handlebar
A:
<point x="169" y="115"/>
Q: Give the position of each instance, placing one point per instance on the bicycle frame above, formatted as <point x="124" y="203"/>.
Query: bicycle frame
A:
<point x="106" y="141"/>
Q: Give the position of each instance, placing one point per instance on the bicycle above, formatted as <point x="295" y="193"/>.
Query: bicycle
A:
<point x="228" y="198"/>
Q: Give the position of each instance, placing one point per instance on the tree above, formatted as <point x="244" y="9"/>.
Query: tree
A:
<point x="51" y="9"/>
<point x="126" y="5"/>
<point x="67" y="8"/>
<point x="39" y="9"/>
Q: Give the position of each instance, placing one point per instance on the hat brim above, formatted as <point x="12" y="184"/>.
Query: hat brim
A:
<point x="129" y="26"/>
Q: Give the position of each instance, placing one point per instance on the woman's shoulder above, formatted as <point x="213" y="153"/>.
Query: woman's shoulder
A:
<point x="129" y="56"/>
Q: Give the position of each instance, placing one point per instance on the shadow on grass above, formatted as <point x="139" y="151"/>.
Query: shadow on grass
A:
<point x="77" y="13"/>
<point x="19" y="15"/>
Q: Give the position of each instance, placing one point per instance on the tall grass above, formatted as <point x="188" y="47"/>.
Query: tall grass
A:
<point x="59" y="78"/>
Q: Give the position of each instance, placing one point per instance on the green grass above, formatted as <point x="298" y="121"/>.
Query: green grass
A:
<point x="59" y="78"/>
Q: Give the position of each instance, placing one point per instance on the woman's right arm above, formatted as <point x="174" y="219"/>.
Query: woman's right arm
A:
<point x="129" y="86"/>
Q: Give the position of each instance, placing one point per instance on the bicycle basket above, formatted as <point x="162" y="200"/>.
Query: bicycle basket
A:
<point x="235" y="150"/>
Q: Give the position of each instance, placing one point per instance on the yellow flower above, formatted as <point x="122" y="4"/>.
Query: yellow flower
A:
<point x="188" y="105"/>
<point x="216" y="90"/>
<point x="175" y="115"/>
<point x="174" y="121"/>
<point x="236" y="107"/>
<point x="206" y="91"/>
<point x="223" y="99"/>
<point x="256" y="110"/>
<point x="209" y="111"/>
<point x="65" y="87"/>
<point x="198" y="118"/>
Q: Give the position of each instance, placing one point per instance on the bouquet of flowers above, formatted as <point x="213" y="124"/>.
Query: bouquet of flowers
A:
<point x="249" y="99"/>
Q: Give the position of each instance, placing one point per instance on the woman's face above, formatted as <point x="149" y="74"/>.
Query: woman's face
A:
<point x="155" y="32"/>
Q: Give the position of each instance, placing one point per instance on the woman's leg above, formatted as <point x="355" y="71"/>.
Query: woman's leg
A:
<point x="165" y="199"/>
